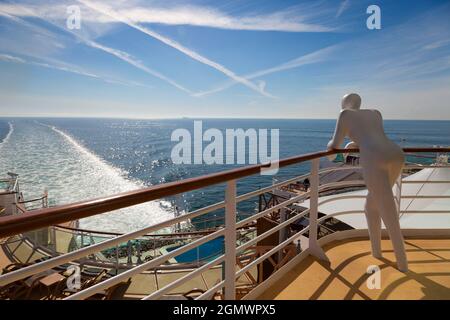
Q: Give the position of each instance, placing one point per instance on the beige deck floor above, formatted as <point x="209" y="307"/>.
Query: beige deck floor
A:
<point x="346" y="276"/>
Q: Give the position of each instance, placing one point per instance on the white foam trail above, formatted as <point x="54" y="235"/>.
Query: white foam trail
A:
<point x="137" y="216"/>
<point x="104" y="166"/>
<point x="11" y="129"/>
<point x="46" y="157"/>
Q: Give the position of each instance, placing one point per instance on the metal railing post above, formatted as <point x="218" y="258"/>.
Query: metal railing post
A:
<point x="117" y="258"/>
<point x="198" y="256"/>
<point x="314" y="247"/>
<point x="230" y="240"/>
<point x="52" y="232"/>
<point x="398" y="192"/>
<point x="282" y="234"/>
<point x="82" y="239"/>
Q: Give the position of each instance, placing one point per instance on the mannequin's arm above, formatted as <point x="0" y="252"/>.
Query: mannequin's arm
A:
<point x="339" y="133"/>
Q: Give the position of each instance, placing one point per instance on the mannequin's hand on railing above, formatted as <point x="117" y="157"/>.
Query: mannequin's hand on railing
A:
<point x="351" y="145"/>
<point x="330" y="145"/>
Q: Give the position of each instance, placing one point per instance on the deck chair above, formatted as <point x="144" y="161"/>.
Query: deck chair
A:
<point x="194" y="293"/>
<point x="23" y="289"/>
<point x="91" y="281"/>
<point x="61" y="290"/>
<point x="14" y="266"/>
<point x="116" y="292"/>
<point x="190" y="295"/>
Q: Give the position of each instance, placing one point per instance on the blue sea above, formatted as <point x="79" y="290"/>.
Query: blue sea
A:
<point x="78" y="159"/>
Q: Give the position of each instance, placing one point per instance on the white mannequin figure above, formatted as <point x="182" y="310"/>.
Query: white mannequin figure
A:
<point x="381" y="161"/>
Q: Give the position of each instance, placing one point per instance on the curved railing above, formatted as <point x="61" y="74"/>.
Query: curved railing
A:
<point x="60" y="214"/>
<point x="234" y="268"/>
<point x="132" y="253"/>
<point x="37" y="203"/>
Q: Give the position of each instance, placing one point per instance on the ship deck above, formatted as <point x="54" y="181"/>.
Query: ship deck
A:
<point x="269" y="266"/>
<point x="142" y="284"/>
<point x="345" y="277"/>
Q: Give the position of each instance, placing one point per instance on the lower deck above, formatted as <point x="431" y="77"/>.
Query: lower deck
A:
<point x="141" y="285"/>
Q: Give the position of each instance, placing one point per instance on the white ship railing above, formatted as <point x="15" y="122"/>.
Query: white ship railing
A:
<point x="227" y="286"/>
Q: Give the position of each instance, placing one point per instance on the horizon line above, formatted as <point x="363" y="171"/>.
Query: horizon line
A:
<point x="191" y="118"/>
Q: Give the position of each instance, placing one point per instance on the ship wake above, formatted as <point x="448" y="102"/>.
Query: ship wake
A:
<point x="47" y="157"/>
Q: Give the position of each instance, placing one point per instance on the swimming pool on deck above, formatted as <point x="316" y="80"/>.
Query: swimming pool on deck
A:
<point x="206" y="252"/>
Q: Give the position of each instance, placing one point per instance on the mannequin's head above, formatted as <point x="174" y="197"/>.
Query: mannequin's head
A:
<point x="351" y="101"/>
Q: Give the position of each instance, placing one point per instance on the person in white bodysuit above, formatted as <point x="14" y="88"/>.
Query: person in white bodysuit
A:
<point x="381" y="161"/>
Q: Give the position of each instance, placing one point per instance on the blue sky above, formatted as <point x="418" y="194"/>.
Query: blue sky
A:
<point x="259" y="58"/>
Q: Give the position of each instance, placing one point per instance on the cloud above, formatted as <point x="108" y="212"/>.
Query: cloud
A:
<point x="314" y="57"/>
<point x="284" y="21"/>
<point x="9" y="58"/>
<point x="64" y="67"/>
<point x="342" y="7"/>
<point x="437" y="44"/>
<point x="190" y="53"/>
<point x="24" y="37"/>
<point x="402" y="53"/>
<point x="124" y="56"/>
<point x="299" y="18"/>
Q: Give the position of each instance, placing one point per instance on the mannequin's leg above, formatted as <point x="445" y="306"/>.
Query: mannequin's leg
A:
<point x="394" y="172"/>
<point x="374" y="225"/>
<point x="381" y="190"/>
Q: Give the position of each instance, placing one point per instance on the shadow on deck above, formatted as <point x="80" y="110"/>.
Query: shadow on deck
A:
<point x="346" y="276"/>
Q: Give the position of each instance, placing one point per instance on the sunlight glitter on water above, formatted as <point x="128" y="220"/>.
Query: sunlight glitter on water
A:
<point x="48" y="158"/>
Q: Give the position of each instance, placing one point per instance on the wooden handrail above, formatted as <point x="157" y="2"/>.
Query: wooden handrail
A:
<point x="41" y="218"/>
